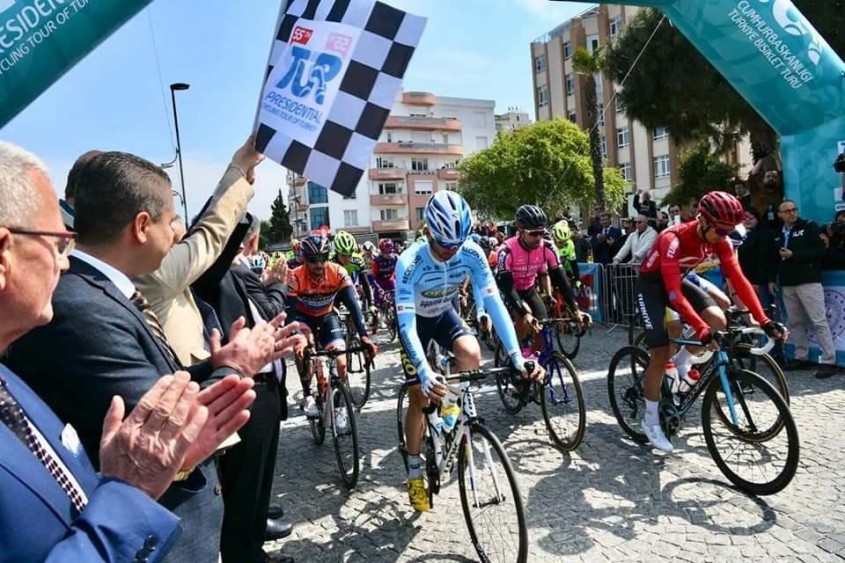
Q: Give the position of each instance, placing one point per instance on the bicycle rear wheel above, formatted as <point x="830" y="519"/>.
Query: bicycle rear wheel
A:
<point x="625" y="387"/>
<point x="562" y="401"/>
<point x="345" y="436"/>
<point x="358" y="377"/>
<point x="750" y="453"/>
<point x="568" y="339"/>
<point x="490" y="498"/>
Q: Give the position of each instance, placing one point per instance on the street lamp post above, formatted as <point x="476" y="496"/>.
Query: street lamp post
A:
<point x="173" y="88"/>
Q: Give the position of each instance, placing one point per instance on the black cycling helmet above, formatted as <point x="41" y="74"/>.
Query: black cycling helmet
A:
<point x="530" y="218"/>
<point x="315" y="245"/>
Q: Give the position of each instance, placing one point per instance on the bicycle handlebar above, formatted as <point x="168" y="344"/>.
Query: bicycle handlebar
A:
<point x="333" y="354"/>
<point x="722" y="337"/>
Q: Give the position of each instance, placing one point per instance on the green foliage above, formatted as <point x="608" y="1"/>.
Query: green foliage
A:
<point x="547" y="164"/>
<point x="280" y="228"/>
<point x="263" y="238"/>
<point x="700" y="172"/>
<point x="588" y="65"/>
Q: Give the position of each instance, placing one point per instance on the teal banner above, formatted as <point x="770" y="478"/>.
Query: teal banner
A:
<point x="40" y="40"/>
<point x="778" y="62"/>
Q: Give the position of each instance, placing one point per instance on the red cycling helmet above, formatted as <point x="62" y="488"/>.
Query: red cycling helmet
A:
<point x="721" y="207"/>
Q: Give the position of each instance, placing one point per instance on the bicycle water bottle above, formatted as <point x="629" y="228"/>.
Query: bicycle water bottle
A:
<point x="672" y="377"/>
<point x="322" y="382"/>
<point x="689" y="380"/>
<point x="449" y="412"/>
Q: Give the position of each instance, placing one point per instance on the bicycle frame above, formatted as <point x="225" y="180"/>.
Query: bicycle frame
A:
<point x="718" y="365"/>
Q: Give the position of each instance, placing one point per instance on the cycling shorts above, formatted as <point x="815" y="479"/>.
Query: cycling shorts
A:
<point x="653" y="303"/>
<point x="443" y="329"/>
<point x="327" y="329"/>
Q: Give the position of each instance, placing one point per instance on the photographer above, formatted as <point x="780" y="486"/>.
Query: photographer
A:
<point x="833" y="237"/>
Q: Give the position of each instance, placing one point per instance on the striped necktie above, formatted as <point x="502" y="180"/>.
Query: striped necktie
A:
<point x="13" y="416"/>
<point x="152" y="321"/>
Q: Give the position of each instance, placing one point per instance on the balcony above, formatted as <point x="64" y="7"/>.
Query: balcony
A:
<point x="386" y="173"/>
<point x="356" y="230"/>
<point x="389" y="199"/>
<point x="391" y="225"/>
<point x="300" y="181"/>
<point x="300" y="207"/>
<point x="423" y="123"/>
<point x="419" y="98"/>
<point x="448" y="174"/>
<point x="419" y="148"/>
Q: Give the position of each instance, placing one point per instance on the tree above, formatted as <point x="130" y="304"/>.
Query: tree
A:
<point x="264" y="239"/>
<point x="547" y="164"/>
<point x="280" y="228"/>
<point x="700" y="171"/>
<point x="588" y="65"/>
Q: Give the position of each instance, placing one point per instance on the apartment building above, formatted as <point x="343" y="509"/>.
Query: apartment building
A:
<point x="422" y="142"/>
<point x="647" y="158"/>
<point x="513" y="119"/>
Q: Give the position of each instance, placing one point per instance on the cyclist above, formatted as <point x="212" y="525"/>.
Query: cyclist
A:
<point x="428" y="276"/>
<point x="521" y="259"/>
<point x="312" y="290"/>
<point x="295" y="259"/>
<point x="562" y="236"/>
<point x="346" y="254"/>
<point x="383" y="268"/>
<point x="661" y="284"/>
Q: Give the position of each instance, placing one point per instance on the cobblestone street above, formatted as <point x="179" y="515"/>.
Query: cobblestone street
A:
<point x="610" y="500"/>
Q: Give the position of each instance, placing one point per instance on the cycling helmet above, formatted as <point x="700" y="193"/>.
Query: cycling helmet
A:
<point x="493" y="242"/>
<point x="737" y="236"/>
<point x="368" y="246"/>
<point x="561" y="232"/>
<point x="721" y="207"/>
<point x="475" y="237"/>
<point x="315" y="245"/>
<point x="530" y="218"/>
<point x="448" y="218"/>
<point x="345" y="244"/>
<point x="257" y="263"/>
<point x="385" y="246"/>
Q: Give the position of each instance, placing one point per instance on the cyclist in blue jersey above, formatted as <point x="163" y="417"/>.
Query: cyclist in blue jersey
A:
<point x="428" y="277"/>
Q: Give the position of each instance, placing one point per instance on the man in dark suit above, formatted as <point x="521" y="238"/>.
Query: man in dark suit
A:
<point x="46" y="477"/>
<point x="234" y="290"/>
<point x="105" y="340"/>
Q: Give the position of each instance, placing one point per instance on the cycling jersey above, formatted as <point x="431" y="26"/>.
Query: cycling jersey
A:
<point x="316" y="298"/>
<point x="384" y="266"/>
<point x="426" y="287"/>
<point x="525" y="264"/>
<point x="680" y="248"/>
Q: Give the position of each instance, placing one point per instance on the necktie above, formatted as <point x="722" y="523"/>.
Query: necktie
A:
<point x="152" y="321"/>
<point x="12" y="416"/>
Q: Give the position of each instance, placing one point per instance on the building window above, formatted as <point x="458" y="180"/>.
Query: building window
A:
<point x="660" y="133"/>
<point x="570" y="84"/>
<point x="567" y="50"/>
<point x="542" y="94"/>
<point x="419" y="164"/>
<point x="592" y="43"/>
<point x="615" y="26"/>
<point x="573" y="117"/>
<point x="627" y="171"/>
<point x="317" y="194"/>
<point x="452" y="186"/>
<point x="422" y="188"/>
<point x="389" y="188"/>
<point x="420" y="213"/>
<point x="350" y="217"/>
<point x="319" y="217"/>
<point x="600" y="119"/>
<point x="389" y="137"/>
<point x="599" y="85"/>
<point x="603" y="146"/>
<point x="540" y="63"/>
<point x="620" y="105"/>
<point x="661" y="166"/>
<point x="623" y="138"/>
<point x="384" y="163"/>
<point x="389" y="214"/>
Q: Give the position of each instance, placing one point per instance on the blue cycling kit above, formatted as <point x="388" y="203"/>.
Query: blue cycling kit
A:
<point x="426" y="288"/>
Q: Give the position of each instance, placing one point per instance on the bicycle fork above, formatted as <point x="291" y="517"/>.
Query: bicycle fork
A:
<point x="470" y="457"/>
<point x="726" y="387"/>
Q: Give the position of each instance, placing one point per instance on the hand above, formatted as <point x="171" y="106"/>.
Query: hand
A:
<point x="484" y="322"/>
<point x="775" y="330"/>
<point x="785" y="253"/>
<point x="433" y="388"/>
<point x="248" y="350"/>
<point x="372" y="349"/>
<point x="287" y="337"/>
<point x="227" y="403"/>
<point x="247" y="158"/>
<point x="148" y="448"/>
<point x="531" y="322"/>
<point x="537" y="374"/>
<point x="614" y="262"/>
<point x="584" y="318"/>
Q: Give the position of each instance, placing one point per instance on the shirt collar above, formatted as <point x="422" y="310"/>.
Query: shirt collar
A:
<point x="118" y="278"/>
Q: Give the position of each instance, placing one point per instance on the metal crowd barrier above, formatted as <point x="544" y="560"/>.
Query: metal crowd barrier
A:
<point x="608" y="293"/>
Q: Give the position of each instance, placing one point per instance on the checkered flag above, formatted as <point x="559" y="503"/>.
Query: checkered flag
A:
<point x="333" y="72"/>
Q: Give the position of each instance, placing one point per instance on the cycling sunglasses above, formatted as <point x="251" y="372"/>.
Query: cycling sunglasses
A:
<point x="317" y="259"/>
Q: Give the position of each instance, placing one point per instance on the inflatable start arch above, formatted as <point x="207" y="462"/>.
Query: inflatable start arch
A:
<point x="781" y="65"/>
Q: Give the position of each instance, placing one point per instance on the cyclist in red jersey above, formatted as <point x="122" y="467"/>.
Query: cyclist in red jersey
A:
<point x="662" y="284"/>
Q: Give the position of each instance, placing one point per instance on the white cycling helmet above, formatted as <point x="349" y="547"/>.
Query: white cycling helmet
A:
<point x="448" y="218"/>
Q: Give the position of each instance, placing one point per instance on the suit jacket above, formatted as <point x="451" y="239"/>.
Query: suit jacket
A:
<point x="168" y="288"/>
<point x="98" y="345"/>
<point x="119" y="523"/>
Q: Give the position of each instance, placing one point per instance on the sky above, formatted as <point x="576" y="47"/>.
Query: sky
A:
<point x="118" y="97"/>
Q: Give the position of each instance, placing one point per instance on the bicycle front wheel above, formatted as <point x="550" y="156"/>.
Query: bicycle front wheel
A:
<point x="759" y="451"/>
<point x="402" y="404"/>
<point x="345" y="435"/>
<point x="562" y="401"/>
<point x="625" y="387"/>
<point x="490" y="498"/>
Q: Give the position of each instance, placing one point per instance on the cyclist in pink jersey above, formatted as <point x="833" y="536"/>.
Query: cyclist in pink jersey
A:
<point x="521" y="259"/>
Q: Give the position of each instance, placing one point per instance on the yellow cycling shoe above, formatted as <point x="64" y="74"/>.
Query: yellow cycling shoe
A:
<point x="418" y="494"/>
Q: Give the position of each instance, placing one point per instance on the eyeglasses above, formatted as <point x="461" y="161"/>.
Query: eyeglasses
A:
<point x="723" y="231"/>
<point x="65" y="244"/>
<point x="317" y="259"/>
<point x="790" y="210"/>
<point x="537" y="233"/>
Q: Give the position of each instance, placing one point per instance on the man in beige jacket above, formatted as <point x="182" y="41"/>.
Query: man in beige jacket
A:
<point x="168" y="289"/>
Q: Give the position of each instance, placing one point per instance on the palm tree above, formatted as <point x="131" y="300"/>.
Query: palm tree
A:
<point x="588" y="65"/>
